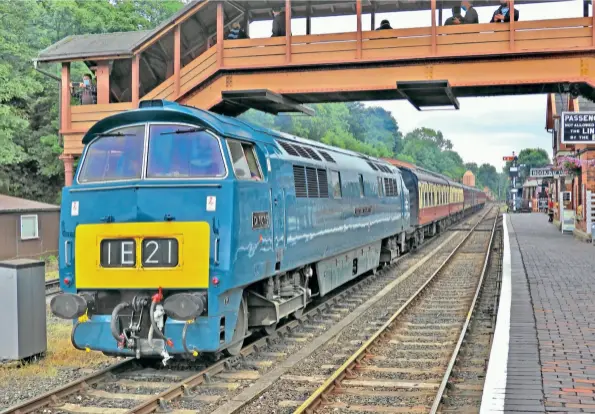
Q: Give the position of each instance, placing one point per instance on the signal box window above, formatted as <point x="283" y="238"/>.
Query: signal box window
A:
<point x="361" y="185"/>
<point x="182" y="151"/>
<point x="245" y="164"/>
<point x="115" y="155"/>
<point x="336" y="184"/>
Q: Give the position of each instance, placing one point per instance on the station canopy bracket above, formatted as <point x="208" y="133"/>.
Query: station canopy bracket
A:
<point x="428" y="95"/>
<point x="235" y="103"/>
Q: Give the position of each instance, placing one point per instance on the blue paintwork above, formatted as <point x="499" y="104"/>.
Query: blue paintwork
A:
<point x="302" y="231"/>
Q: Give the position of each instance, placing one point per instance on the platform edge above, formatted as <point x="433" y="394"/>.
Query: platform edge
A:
<point x="494" y="389"/>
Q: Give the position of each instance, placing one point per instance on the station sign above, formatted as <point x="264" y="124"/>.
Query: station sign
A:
<point x="578" y="127"/>
<point x="508" y="158"/>
<point x="542" y="172"/>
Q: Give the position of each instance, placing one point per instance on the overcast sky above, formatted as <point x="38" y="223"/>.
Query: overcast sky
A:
<point x="484" y="129"/>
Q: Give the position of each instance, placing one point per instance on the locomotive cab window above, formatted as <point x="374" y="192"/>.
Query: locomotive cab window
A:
<point x="361" y="185"/>
<point x="115" y="155"/>
<point x="245" y="164"/>
<point x="183" y="151"/>
<point x="336" y="184"/>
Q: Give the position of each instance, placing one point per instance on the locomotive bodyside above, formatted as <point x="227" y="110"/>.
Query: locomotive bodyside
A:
<point x="184" y="259"/>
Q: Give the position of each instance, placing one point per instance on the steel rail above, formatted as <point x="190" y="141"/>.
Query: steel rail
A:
<point x="51" y="285"/>
<point x="465" y="329"/>
<point x="353" y="362"/>
<point x="53" y="396"/>
<point x="184" y="387"/>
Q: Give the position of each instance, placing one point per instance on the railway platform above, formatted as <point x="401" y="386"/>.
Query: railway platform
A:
<point x="543" y="353"/>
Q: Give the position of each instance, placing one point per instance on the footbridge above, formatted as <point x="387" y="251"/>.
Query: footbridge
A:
<point x="188" y="59"/>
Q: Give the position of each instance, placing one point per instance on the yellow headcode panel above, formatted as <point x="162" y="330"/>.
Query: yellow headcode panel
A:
<point x="142" y="255"/>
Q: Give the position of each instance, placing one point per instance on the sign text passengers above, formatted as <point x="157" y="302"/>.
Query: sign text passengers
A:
<point x="578" y="127"/>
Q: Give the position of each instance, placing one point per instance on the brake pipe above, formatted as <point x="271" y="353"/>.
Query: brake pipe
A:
<point x="158" y="297"/>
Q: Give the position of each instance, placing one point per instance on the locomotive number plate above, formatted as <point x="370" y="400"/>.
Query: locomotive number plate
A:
<point x="260" y="220"/>
<point x="155" y="252"/>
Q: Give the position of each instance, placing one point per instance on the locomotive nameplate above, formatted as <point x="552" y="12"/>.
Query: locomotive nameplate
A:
<point x="361" y="211"/>
<point x="260" y="220"/>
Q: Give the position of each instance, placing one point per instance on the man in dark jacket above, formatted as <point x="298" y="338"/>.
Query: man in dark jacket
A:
<point x="384" y="25"/>
<point x="456" y="15"/>
<point x="502" y="14"/>
<point x="278" y="23"/>
<point x="471" y="16"/>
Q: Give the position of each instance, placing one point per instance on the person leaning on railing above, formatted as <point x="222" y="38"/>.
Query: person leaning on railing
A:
<point x="86" y="92"/>
<point x="456" y="16"/>
<point x="385" y="25"/>
<point x="502" y="14"/>
<point x="236" y="32"/>
<point x="278" y="23"/>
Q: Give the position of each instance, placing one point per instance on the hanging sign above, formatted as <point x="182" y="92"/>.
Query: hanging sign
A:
<point x="578" y="127"/>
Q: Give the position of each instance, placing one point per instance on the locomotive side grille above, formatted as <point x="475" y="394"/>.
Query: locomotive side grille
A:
<point x="302" y="151"/>
<point x="313" y="153"/>
<point x="327" y="156"/>
<point x="390" y="187"/>
<point x="289" y="148"/>
<point x="322" y="183"/>
<point x="299" y="179"/>
<point x="312" y="182"/>
<point x="372" y="166"/>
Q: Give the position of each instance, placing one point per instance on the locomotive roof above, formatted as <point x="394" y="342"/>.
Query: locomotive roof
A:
<point x="167" y="111"/>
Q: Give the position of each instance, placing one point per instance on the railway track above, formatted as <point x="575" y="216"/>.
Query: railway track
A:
<point x="406" y="365"/>
<point x="52" y="287"/>
<point x="129" y="387"/>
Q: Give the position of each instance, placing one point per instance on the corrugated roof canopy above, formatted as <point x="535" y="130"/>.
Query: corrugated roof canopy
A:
<point x="10" y="204"/>
<point x="124" y="43"/>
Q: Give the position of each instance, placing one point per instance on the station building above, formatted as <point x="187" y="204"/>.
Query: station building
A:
<point x="580" y="183"/>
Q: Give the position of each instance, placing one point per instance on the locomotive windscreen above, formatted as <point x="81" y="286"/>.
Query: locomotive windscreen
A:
<point x="117" y="155"/>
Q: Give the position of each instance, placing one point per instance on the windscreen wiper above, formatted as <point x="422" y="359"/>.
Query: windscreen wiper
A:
<point x="116" y="134"/>
<point x="184" y="131"/>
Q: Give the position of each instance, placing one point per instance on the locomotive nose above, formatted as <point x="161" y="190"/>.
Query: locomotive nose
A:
<point x="68" y="306"/>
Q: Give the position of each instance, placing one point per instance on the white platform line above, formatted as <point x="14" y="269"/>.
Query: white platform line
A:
<point x="494" y="388"/>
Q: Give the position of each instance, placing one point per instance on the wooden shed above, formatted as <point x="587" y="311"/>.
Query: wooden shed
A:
<point x="28" y="228"/>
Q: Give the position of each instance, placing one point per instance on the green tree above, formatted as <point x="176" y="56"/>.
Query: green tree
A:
<point x="428" y="134"/>
<point x="532" y="158"/>
<point x="29" y="145"/>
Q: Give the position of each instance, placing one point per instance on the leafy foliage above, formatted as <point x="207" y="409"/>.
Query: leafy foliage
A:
<point x="29" y="145"/>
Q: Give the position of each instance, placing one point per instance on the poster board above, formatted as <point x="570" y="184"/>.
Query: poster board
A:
<point x="566" y="212"/>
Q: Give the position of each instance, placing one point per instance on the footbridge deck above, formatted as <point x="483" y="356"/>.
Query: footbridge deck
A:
<point x="477" y="60"/>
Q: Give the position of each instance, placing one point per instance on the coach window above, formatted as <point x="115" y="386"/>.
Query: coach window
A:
<point x="336" y="184"/>
<point x="245" y="165"/>
<point x="380" y="187"/>
<point x="361" y="185"/>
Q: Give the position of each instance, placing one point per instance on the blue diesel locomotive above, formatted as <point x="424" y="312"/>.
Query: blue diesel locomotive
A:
<point x="186" y="230"/>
